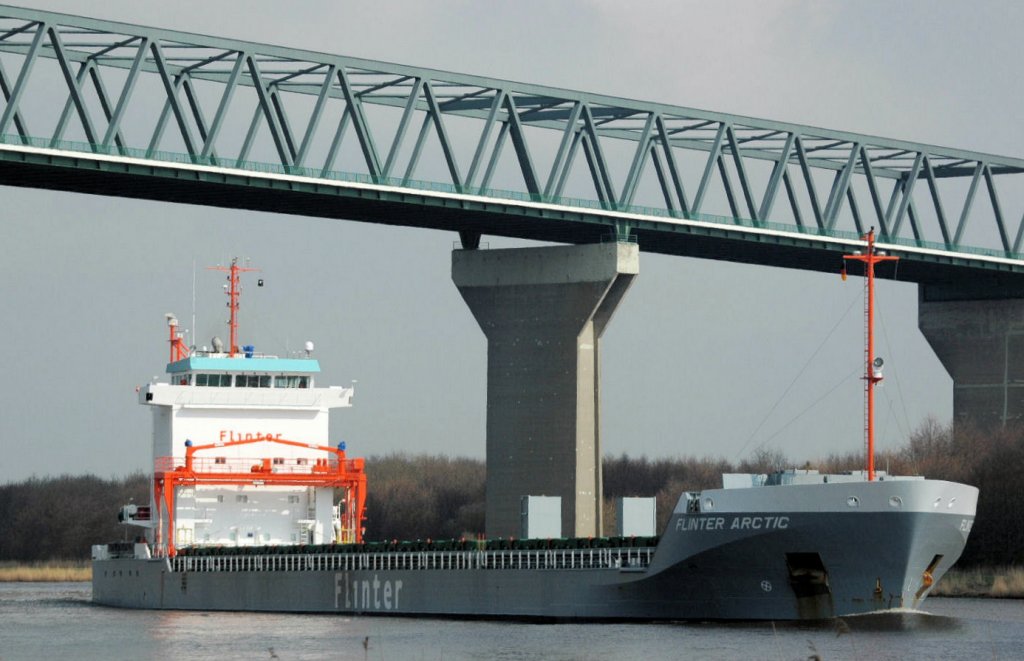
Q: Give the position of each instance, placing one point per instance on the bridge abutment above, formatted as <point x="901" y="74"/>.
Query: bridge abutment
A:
<point x="543" y="311"/>
<point x="981" y="344"/>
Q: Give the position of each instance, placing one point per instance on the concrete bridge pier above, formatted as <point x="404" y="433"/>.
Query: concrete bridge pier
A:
<point x="980" y="342"/>
<point x="543" y="311"/>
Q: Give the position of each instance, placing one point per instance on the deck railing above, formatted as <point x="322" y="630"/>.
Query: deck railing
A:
<point x="541" y="559"/>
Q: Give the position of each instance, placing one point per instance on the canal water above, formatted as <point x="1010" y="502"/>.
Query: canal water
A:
<point x="57" y="620"/>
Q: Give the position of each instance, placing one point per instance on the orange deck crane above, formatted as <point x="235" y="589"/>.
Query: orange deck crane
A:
<point x="333" y="470"/>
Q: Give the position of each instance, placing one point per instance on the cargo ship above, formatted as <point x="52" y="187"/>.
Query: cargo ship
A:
<point x="253" y="509"/>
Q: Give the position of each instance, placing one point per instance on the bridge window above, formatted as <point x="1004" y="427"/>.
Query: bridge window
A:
<point x="214" y="380"/>
<point x="291" y="381"/>
<point x="252" y="381"/>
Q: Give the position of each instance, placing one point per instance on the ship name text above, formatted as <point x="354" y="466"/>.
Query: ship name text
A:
<point x="365" y="594"/>
<point x="231" y="435"/>
<point x="701" y="523"/>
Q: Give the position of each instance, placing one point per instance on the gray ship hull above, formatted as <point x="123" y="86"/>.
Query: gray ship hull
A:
<point x="772" y="553"/>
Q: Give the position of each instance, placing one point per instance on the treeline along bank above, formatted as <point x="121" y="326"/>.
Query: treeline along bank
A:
<point x="434" y="497"/>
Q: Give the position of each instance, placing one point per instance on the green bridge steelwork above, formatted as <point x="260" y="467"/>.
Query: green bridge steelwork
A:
<point x="117" y="109"/>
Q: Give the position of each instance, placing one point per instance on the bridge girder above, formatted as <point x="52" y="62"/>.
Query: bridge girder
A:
<point x="161" y="96"/>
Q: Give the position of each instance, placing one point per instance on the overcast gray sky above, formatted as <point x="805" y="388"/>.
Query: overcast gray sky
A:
<point x="697" y="355"/>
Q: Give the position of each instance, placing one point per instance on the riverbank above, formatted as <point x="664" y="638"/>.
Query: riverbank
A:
<point x="994" y="582"/>
<point x="45" y="572"/>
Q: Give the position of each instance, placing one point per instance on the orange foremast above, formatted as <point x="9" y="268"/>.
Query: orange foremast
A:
<point x="872" y="366"/>
<point x="233" y="292"/>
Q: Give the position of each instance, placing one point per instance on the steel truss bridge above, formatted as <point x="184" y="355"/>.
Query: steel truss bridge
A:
<point x="115" y="109"/>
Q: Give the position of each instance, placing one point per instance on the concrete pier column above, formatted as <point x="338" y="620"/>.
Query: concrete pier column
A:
<point x="981" y="345"/>
<point x="543" y="311"/>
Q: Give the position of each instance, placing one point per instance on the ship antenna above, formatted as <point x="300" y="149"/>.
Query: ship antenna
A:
<point x="872" y="365"/>
<point x="233" y="292"/>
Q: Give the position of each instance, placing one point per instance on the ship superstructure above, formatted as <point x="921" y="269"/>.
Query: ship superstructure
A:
<point x="241" y="450"/>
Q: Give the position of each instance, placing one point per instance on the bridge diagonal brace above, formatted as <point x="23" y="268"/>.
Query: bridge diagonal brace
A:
<point x="778" y="170"/>
<point x="403" y="125"/>
<point x="940" y="213"/>
<point x="417" y="150"/>
<point x="515" y="130"/>
<point x="73" y="85"/>
<point x="723" y="172"/>
<point x="855" y="210"/>
<point x="906" y="185"/>
<point x="603" y="195"/>
<point x="222" y="107"/>
<point x="741" y="173"/>
<point x="673" y="168"/>
<point x="639" y="161"/>
<point x="317" y="114"/>
<point x="171" y="87"/>
<point x="108" y="112"/>
<point x="839" y="188"/>
<point x="492" y="165"/>
<point x="812" y="192"/>
<point x="14" y="97"/>
<point x="876" y="200"/>
<point x="566" y="149"/>
<point x="595" y="159"/>
<point x="265" y="102"/>
<point x="1020" y="236"/>
<point x="574" y="147"/>
<point x="794" y="203"/>
<point x="663" y="178"/>
<point x="19" y="121"/>
<point x="282" y="120"/>
<point x="250" y="135"/>
<point x="354" y="106"/>
<point x="114" y="121"/>
<point x="434" y="114"/>
<point x="339" y="136"/>
<point x="968" y="202"/>
<point x="197" y="109"/>
<point x="997" y="209"/>
<point x="713" y="157"/>
<point x="69" y="105"/>
<point x="913" y="218"/>
<point x="485" y="135"/>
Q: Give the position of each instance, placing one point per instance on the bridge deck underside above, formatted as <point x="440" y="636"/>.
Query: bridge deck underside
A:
<point x="403" y="207"/>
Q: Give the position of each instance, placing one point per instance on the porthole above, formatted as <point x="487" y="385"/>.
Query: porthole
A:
<point x="895" y="501"/>
<point x="853" y="501"/>
<point x="952" y="501"/>
<point x="937" y="502"/>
